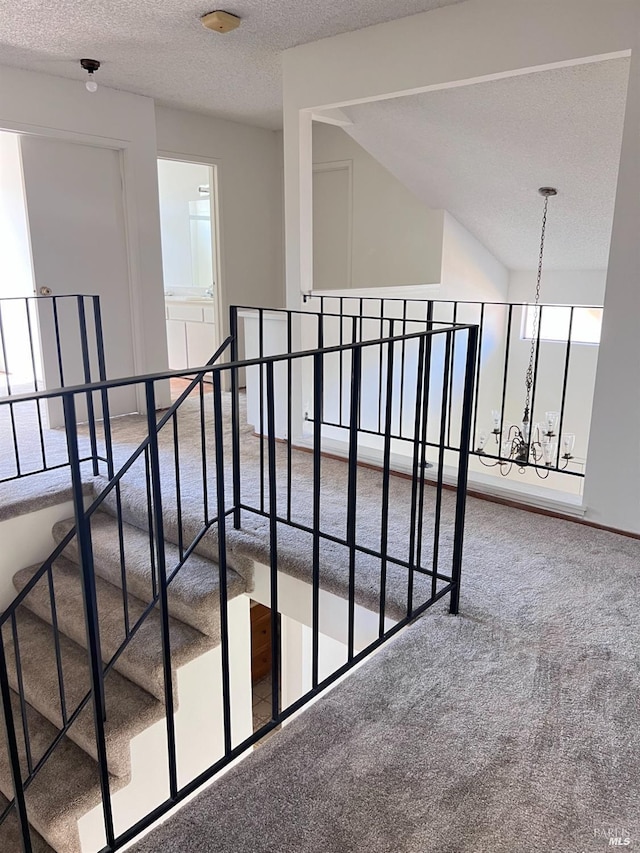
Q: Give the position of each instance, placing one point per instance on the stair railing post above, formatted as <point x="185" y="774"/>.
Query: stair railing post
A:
<point x="157" y="526"/>
<point x="14" y="756"/>
<point x="463" y="467"/>
<point x="235" y="417"/>
<point x="90" y="602"/>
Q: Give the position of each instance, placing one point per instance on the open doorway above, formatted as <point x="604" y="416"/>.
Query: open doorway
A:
<point x="188" y="222"/>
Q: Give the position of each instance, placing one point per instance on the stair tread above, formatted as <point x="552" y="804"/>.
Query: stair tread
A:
<point x="65" y="788"/>
<point x="130" y="709"/>
<point x="10" y="834"/>
<point x="193" y="594"/>
<point x="141" y="661"/>
<point x="135" y="513"/>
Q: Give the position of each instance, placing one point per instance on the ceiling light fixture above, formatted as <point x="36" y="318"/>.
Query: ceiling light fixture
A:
<point x="522" y="445"/>
<point x="90" y="66"/>
<point x="220" y="22"/>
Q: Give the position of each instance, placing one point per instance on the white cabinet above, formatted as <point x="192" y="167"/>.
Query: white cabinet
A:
<point x="201" y="343"/>
<point x="191" y="335"/>
<point x="177" y="345"/>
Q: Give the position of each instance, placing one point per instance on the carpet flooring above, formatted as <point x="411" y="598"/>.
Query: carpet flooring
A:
<point x="512" y="727"/>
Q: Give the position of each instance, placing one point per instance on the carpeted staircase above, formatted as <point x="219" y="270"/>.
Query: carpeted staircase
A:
<point x="67" y="787"/>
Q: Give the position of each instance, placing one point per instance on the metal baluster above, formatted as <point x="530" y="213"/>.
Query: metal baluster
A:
<point x="443" y="425"/>
<point x="318" y="383"/>
<point x="352" y="494"/>
<point x="85" y="553"/>
<point x="203" y="453"/>
<point x="273" y="543"/>
<point x="289" y="414"/>
<point x="102" y="373"/>
<point x="56" y="644"/>
<point x="222" y="558"/>
<point x="21" y="696"/>
<point x="152" y="550"/>
<point x="158" y="519"/>
<point x="261" y="393"/>
<point x="86" y="366"/>
<point x="463" y="469"/>
<point x="565" y="378"/>
<point x="14" y="432"/>
<point x="176" y="463"/>
<point x="477" y="381"/>
<point x="386" y="469"/>
<point x="13" y="754"/>
<point x="505" y="378"/>
<point x="34" y="369"/>
<point x="417" y="431"/>
<point x="235" y="417"/>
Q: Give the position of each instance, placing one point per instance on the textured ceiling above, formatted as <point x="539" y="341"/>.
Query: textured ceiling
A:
<point x="482" y="151"/>
<point x="159" y="48"/>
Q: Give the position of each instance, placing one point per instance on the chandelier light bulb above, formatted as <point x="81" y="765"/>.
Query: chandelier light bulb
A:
<point x="91" y="85"/>
<point x="568" y="443"/>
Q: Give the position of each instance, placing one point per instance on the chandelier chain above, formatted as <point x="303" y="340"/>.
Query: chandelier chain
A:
<point x="536" y="312"/>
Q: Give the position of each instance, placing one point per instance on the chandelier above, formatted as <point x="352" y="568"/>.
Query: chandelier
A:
<point x="520" y="444"/>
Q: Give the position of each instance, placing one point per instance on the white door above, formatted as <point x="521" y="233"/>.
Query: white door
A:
<point x="74" y="200"/>
<point x="331" y="227"/>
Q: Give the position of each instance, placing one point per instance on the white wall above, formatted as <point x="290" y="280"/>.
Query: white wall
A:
<point x="462" y="44"/>
<point x="249" y="161"/>
<point x="561" y="287"/>
<point x="54" y="107"/>
<point x="395" y="239"/>
<point x="469" y="270"/>
<point x="612" y="487"/>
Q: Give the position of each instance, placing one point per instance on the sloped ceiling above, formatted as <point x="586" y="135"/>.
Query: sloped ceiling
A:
<point x="482" y="151"/>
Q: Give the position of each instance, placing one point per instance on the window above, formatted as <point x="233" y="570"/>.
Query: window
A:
<point x="555" y="320"/>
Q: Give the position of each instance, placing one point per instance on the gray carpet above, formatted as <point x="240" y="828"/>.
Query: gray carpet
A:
<point x="511" y="727"/>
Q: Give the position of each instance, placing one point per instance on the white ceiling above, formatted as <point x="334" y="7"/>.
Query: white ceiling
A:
<point x="159" y="48"/>
<point x="482" y="151"/>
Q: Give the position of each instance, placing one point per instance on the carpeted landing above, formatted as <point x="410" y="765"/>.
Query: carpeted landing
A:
<point x="513" y="727"/>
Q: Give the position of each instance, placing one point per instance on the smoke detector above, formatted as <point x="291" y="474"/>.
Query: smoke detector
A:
<point x="220" y="22"/>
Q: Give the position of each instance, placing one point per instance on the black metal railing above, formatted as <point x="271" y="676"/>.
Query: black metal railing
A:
<point x="49" y="342"/>
<point x="565" y="345"/>
<point x="197" y="465"/>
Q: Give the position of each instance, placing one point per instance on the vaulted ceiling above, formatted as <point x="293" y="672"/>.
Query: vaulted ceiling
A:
<point x="481" y="152"/>
<point x="159" y="48"/>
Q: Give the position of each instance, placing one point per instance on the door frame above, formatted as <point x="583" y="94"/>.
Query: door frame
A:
<point x="132" y="248"/>
<point x="220" y="302"/>
<point x="340" y="166"/>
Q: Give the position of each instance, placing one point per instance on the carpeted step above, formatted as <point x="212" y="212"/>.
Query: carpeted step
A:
<point x="130" y="709"/>
<point x="141" y="661"/>
<point x="64" y="789"/>
<point x="194" y="593"/>
<point x="10" y="833"/>
<point x="135" y="513"/>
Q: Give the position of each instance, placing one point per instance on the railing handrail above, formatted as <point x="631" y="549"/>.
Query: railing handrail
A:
<point x="82" y="529"/>
<point x="221" y="368"/>
<point x="317" y="295"/>
<point x="115" y="479"/>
